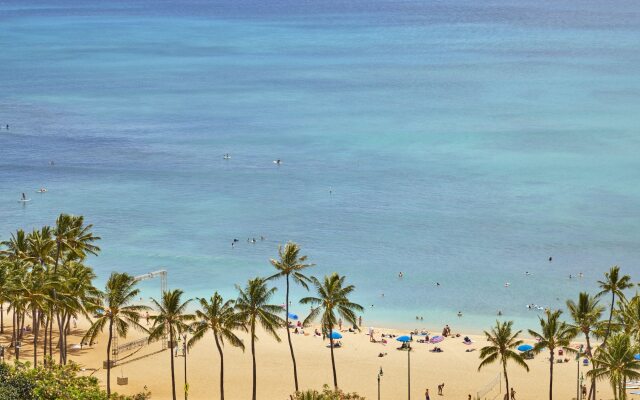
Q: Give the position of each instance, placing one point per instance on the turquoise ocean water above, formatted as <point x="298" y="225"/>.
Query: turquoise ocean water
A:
<point x="463" y="142"/>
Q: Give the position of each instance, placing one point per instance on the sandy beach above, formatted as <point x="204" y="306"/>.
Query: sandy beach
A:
<point x="357" y="364"/>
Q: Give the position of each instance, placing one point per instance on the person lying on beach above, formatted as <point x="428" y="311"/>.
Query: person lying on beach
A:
<point x="436" y="350"/>
<point x="467" y="340"/>
<point x="317" y="333"/>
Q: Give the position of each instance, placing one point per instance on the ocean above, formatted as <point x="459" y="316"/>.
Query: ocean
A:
<point x="458" y="142"/>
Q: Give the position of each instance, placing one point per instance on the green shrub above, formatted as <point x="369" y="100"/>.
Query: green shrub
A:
<point x="56" y="382"/>
<point x="326" y="394"/>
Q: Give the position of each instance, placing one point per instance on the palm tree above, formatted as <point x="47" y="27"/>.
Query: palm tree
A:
<point x="332" y="301"/>
<point x="553" y="334"/>
<point x="73" y="236"/>
<point x="34" y="290"/>
<point x="73" y="241"/>
<point x="40" y="246"/>
<point x="616" y="362"/>
<point x="253" y="308"/>
<point x="17" y="247"/>
<point x="77" y="297"/>
<point x="291" y="263"/>
<point x="171" y="318"/>
<point x="221" y="319"/>
<point x="629" y="317"/>
<point x="614" y="284"/>
<point x="586" y="314"/>
<point x="4" y="288"/>
<point x="502" y="344"/>
<point x="118" y="312"/>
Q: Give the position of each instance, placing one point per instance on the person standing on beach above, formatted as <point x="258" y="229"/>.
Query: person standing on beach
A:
<point x="426" y="395"/>
<point x="513" y="394"/>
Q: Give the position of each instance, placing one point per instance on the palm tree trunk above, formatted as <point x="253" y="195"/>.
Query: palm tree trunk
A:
<point x="253" y="356"/>
<point x="293" y="357"/>
<point x="14" y="337"/>
<point x="221" y="366"/>
<point x="109" y="358"/>
<point x="34" y="321"/>
<point x="51" y="335"/>
<point x="173" y="375"/>
<point x="506" y="378"/>
<point x="1" y="317"/>
<point x="333" y="360"/>
<point x="592" y="390"/>
<point x="613" y="303"/>
<point x="66" y="334"/>
<point x="59" y="319"/>
<point x="22" y="317"/>
<point x="46" y="336"/>
<point x="551" y="351"/>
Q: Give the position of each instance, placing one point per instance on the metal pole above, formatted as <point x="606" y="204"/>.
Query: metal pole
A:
<point x="578" y="379"/>
<point x="409" y="372"/>
<point x="579" y="392"/>
<point x="186" y="384"/>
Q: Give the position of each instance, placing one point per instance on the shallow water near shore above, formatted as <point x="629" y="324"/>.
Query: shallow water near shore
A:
<point x="460" y="143"/>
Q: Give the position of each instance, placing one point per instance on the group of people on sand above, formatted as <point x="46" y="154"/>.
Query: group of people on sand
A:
<point x="440" y="392"/>
<point x="446" y="331"/>
<point x="427" y="396"/>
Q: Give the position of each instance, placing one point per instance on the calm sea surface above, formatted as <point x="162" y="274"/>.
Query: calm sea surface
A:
<point x="460" y="142"/>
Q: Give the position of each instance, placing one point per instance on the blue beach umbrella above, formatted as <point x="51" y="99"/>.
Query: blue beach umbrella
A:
<point x="637" y="356"/>
<point x="403" y="339"/>
<point x="293" y="316"/>
<point x="525" y="347"/>
<point x="335" y="335"/>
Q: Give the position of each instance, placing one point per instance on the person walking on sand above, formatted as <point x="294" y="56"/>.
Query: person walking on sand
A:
<point x="426" y="395"/>
<point x="440" y="389"/>
<point x="513" y="394"/>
